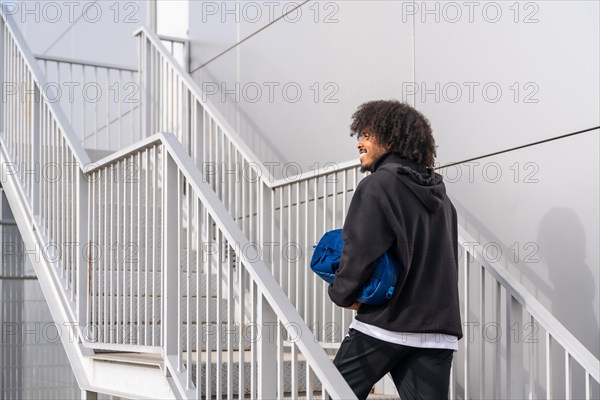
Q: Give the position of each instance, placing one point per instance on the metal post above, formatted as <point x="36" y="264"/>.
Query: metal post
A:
<point x="36" y="104"/>
<point x="83" y="260"/>
<point x="145" y="75"/>
<point x="151" y="14"/>
<point x="170" y="267"/>
<point x="267" y="349"/>
<point x="264" y="223"/>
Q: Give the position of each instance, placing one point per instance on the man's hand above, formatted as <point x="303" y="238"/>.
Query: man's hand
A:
<point x="355" y="306"/>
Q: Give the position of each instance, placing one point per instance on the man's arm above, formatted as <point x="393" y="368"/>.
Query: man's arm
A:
<point x="367" y="235"/>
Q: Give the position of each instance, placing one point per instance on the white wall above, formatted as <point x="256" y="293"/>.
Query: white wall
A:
<point x="99" y="31"/>
<point x="545" y="203"/>
<point x="172" y="17"/>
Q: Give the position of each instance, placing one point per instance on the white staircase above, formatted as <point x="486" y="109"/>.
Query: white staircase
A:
<point x="170" y="289"/>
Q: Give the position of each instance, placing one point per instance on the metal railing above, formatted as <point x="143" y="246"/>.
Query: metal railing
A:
<point x="513" y="346"/>
<point x="101" y="101"/>
<point x="172" y="103"/>
<point x="294" y="213"/>
<point x="162" y="299"/>
<point x="45" y="160"/>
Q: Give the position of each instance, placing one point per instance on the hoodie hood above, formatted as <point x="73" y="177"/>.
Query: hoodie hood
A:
<point x="426" y="184"/>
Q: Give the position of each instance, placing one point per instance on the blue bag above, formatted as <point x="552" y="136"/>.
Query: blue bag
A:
<point x="326" y="261"/>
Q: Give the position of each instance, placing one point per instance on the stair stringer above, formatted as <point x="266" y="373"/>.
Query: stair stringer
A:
<point x="91" y="375"/>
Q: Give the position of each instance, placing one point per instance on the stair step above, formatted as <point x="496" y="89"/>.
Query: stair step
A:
<point x="130" y="358"/>
<point x="100" y="283"/>
<point x="211" y="333"/>
<point x="287" y="365"/>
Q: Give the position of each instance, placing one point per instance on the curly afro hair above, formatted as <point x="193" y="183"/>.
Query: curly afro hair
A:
<point x="398" y="127"/>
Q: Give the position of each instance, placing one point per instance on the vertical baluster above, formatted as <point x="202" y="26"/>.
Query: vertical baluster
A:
<point x="270" y="210"/>
<point x="306" y="264"/>
<point x="466" y="263"/>
<point x="112" y="263"/>
<point x="122" y="180"/>
<point x="171" y="232"/>
<point x="299" y="292"/>
<point x="137" y="249"/>
<point x="532" y="361"/>
<point x="208" y="271"/>
<point x="308" y="296"/>
<point x="199" y="309"/>
<point x="189" y="291"/>
<point x="254" y="346"/>
<point x="117" y="241"/>
<point x="316" y="318"/>
<point x="509" y="346"/>
<point x="131" y="245"/>
<point x="230" y="323"/>
<point x="548" y="365"/>
<point x="323" y="286"/>
<point x="335" y="311"/>
<point x="105" y="319"/>
<point x="282" y="222"/>
<point x="62" y="208"/>
<point x="219" y="319"/>
<point x="239" y="175"/>
<point x="294" y="369"/>
<point x="88" y="251"/>
<point x="221" y="164"/>
<point x="290" y="276"/>
<point x="179" y="247"/>
<point x="344" y="210"/>
<point x="147" y="246"/>
<point x="74" y="233"/>
<point x="230" y="182"/>
<point x="156" y="259"/>
<point x="498" y="351"/>
<point x="280" y="366"/>
<point x="567" y="375"/>
<point x="83" y="112"/>
<point x="241" y="323"/>
<point x="43" y="188"/>
<point x="481" y="270"/>
<point x="588" y="390"/>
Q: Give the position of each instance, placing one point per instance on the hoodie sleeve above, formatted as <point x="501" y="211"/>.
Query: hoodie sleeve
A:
<point x="367" y="234"/>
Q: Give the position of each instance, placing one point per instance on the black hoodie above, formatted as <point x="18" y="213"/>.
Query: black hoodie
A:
<point x="403" y="207"/>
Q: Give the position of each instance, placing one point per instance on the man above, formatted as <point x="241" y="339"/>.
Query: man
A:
<point x="401" y="208"/>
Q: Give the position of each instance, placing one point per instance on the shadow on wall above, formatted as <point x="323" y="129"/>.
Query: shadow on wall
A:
<point x="562" y="245"/>
<point x="570" y="287"/>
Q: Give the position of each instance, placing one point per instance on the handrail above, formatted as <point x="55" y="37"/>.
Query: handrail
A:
<point x="327" y="169"/>
<point x="83" y="62"/>
<point x="265" y="281"/>
<point x="268" y="285"/>
<point x="557" y="330"/>
<point x="215" y="114"/>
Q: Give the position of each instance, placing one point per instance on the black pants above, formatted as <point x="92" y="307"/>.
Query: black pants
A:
<point x="418" y="373"/>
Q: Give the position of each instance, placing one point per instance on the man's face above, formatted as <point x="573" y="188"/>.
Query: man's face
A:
<point x="369" y="149"/>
